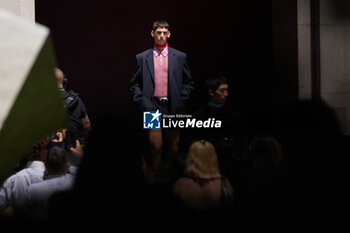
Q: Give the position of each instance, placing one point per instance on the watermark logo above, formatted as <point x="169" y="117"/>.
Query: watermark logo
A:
<point x="152" y="120"/>
<point x="157" y="120"/>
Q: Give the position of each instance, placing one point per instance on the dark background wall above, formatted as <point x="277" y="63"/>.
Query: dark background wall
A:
<point x="96" y="43"/>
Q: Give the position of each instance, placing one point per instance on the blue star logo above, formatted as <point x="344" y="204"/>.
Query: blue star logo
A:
<point x="151" y="120"/>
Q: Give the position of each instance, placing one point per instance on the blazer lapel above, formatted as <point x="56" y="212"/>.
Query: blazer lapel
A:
<point x="150" y="63"/>
<point x="171" y="62"/>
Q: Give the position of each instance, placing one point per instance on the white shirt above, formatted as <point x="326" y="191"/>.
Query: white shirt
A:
<point x="13" y="191"/>
<point x="39" y="194"/>
<point x="73" y="170"/>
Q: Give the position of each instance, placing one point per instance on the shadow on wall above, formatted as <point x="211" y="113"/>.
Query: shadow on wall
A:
<point x="339" y="9"/>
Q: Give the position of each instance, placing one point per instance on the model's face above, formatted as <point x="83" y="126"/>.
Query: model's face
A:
<point x="160" y="35"/>
<point x="220" y="95"/>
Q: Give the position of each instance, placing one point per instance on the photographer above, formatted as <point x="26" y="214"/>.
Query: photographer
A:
<point x="75" y="153"/>
<point x="80" y="125"/>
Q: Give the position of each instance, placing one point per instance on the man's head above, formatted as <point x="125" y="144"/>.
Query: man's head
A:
<point x="160" y="32"/>
<point x="56" y="161"/>
<point x="61" y="78"/>
<point x="217" y="89"/>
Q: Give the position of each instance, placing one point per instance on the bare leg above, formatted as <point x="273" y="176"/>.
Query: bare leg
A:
<point x="172" y="140"/>
<point x="156" y="143"/>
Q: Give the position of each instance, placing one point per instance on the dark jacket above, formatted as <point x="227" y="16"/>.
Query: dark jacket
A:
<point x="180" y="82"/>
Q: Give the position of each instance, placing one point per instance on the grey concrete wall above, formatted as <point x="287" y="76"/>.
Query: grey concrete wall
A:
<point x="24" y="8"/>
<point x="334" y="55"/>
<point x="335" y="60"/>
<point x="304" y="49"/>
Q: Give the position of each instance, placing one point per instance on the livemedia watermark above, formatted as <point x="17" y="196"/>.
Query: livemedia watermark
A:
<point x="157" y="120"/>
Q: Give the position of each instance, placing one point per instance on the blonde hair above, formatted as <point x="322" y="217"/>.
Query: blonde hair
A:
<point x="202" y="161"/>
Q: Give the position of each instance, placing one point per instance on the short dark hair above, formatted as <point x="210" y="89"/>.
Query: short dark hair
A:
<point x="62" y="79"/>
<point x="56" y="160"/>
<point x="160" y="24"/>
<point x="215" y="82"/>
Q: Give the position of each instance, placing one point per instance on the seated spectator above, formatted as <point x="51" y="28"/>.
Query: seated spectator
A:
<point x="13" y="190"/>
<point x="265" y="151"/>
<point x="203" y="187"/>
<point x="259" y="181"/>
<point x="55" y="179"/>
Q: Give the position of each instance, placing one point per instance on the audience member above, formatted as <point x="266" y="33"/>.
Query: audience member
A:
<point x="204" y="194"/>
<point x="13" y="191"/>
<point x="265" y="151"/>
<point x="74" y="157"/>
<point x="259" y="181"/>
<point x="55" y="179"/>
<point x="203" y="187"/>
<point x="232" y="129"/>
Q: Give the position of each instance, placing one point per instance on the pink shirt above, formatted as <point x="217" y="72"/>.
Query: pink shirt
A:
<point x="160" y="59"/>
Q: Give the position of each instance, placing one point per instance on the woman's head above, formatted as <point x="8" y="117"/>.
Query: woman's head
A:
<point x="265" y="150"/>
<point x="202" y="161"/>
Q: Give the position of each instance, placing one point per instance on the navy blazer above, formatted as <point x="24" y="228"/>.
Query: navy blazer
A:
<point x="180" y="82"/>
